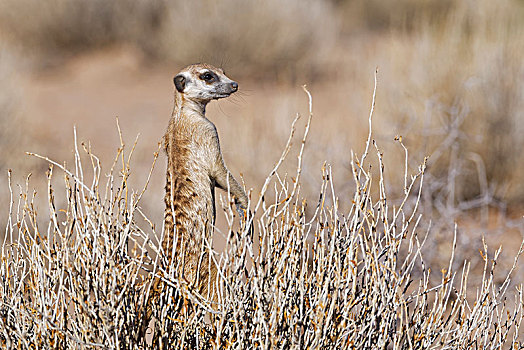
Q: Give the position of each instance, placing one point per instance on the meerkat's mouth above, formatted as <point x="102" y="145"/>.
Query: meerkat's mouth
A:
<point x="222" y="95"/>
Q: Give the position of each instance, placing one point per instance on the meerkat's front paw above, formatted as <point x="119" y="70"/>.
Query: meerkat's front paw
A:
<point x="242" y="210"/>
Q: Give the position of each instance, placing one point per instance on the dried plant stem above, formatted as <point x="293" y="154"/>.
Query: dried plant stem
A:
<point x="307" y="278"/>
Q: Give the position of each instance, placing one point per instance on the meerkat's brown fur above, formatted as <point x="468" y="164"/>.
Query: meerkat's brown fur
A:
<point x="194" y="168"/>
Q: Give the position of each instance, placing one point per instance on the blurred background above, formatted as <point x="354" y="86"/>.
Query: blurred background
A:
<point x="450" y="82"/>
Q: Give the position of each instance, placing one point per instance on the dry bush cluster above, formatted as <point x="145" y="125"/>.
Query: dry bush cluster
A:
<point x="10" y="117"/>
<point x="334" y="279"/>
<point x="70" y="25"/>
<point x="460" y="80"/>
<point x="438" y="59"/>
<point x="344" y="272"/>
<point x="377" y="16"/>
<point x="8" y="101"/>
<point x="261" y="37"/>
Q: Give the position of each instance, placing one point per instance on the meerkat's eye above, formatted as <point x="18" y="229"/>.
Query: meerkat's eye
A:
<point x="207" y="77"/>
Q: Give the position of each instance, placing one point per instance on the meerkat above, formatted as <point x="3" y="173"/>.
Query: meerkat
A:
<point x="195" y="166"/>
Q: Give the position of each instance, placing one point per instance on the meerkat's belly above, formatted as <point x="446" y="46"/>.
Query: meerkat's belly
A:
<point x="193" y="198"/>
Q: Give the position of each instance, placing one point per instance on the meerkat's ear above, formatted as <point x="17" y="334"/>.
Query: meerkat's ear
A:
<point x="180" y="82"/>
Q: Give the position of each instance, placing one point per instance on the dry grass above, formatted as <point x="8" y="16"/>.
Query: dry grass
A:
<point x="405" y="15"/>
<point x="67" y="26"/>
<point x="11" y="122"/>
<point x="444" y="65"/>
<point x="334" y="279"/>
<point x="450" y="83"/>
<point x="464" y="73"/>
<point x="259" y="38"/>
<point x="9" y="114"/>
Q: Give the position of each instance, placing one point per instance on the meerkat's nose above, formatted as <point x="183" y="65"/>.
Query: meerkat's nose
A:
<point x="234" y="86"/>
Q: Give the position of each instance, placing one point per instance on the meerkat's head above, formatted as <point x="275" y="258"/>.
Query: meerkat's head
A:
<point x="203" y="83"/>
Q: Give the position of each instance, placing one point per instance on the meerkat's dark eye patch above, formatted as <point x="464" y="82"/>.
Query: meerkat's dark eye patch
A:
<point x="208" y="77"/>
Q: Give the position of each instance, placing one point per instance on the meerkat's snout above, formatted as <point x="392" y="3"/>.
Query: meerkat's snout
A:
<point x="228" y="87"/>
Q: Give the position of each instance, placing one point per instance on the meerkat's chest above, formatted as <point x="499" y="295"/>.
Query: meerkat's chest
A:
<point x="192" y="153"/>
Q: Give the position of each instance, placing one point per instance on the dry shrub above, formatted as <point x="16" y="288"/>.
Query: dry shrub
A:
<point x="61" y="27"/>
<point x="461" y="87"/>
<point x="252" y="37"/>
<point x="376" y="15"/>
<point x="9" y="115"/>
<point x="344" y="280"/>
<point x="11" y="123"/>
<point x="258" y="37"/>
<point x="438" y="59"/>
<point x="454" y="90"/>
